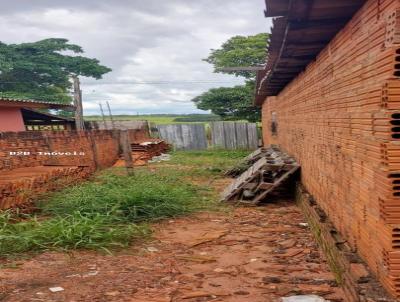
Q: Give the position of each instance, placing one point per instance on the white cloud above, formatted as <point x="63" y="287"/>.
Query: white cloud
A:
<point x="142" y="41"/>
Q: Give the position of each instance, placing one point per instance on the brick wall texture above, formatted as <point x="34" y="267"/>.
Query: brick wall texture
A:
<point x="340" y="119"/>
<point x="24" y="177"/>
<point x="98" y="146"/>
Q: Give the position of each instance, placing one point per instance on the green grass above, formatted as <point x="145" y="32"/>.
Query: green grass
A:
<point x="146" y="195"/>
<point x="112" y="210"/>
<point x="161" y="118"/>
<point x="219" y="160"/>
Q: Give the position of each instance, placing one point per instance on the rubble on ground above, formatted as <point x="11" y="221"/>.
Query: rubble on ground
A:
<point x="250" y="254"/>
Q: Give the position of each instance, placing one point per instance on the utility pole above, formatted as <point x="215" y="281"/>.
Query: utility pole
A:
<point x="102" y="115"/>
<point x="80" y="126"/>
<point x="111" y="116"/>
<point x="126" y="149"/>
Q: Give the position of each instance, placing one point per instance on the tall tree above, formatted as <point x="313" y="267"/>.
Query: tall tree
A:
<point x="42" y="70"/>
<point x="230" y="103"/>
<point x="240" y="51"/>
<point x="235" y="102"/>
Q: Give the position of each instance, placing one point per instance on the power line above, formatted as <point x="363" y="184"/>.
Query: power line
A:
<point x="145" y="83"/>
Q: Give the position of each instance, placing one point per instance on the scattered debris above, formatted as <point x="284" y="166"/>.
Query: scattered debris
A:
<point x="246" y="163"/>
<point x="271" y="279"/>
<point x="112" y="294"/>
<point x="160" y="158"/>
<point x="304" y="298"/>
<point x="198" y="258"/>
<point x="241" y="293"/>
<point x="56" y="289"/>
<point x="208" y="237"/>
<point x="201" y="294"/>
<point x="264" y="177"/>
<point x="193" y="261"/>
<point x="197" y="295"/>
<point x="91" y="274"/>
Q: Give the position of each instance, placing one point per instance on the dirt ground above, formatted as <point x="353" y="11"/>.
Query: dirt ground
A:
<point x="248" y="254"/>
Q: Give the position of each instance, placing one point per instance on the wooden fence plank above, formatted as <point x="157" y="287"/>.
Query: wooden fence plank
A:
<point x="242" y="141"/>
<point x="252" y="136"/>
<point x="234" y="135"/>
<point x="184" y="136"/>
<point x="225" y="135"/>
<point x="217" y="135"/>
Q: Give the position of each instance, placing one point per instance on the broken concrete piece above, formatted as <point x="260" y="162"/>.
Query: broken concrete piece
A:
<point x="56" y="289"/>
<point x="112" y="294"/>
<point x="303" y="298"/>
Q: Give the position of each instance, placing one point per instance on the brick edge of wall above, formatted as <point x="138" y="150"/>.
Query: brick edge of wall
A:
<point x="345" y="264"/>
<point x="29" y="197"/>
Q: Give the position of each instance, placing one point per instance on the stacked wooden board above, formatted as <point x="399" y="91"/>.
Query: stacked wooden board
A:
<point x="246" y="163"/>
<point x="270" y="170"/>
<point x="144" y="150"/>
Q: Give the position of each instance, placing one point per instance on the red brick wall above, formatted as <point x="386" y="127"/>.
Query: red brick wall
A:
<point x="23" y="177"/>
<point x="139" y="135"/>
<point x="101" y="145"/>
<point x="339" y="118"/>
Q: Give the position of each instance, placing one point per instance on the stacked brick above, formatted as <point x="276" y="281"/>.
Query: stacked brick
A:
<point x="139" y="135"/>
<point x="23" y="177"/>
<point x="21" y="142"/>
<point x="91" y="147"/>
<point x="340" y="119"/>
<point x="23" y="185"/>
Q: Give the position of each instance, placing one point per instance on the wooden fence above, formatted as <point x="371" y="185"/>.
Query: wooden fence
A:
<point x="224" y="135"/>
<point x="184" y="137"/>
<point x="234" y="135"/>
<point x="120" y="125"/>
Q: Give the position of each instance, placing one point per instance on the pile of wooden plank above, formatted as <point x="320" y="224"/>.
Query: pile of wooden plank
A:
<point x="144" y="150"/>
<point x="270" y="170"/>
<point x="246" y="163"/>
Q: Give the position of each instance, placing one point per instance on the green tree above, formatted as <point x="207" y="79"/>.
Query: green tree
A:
<point x="233" y="103"/>
<point x="240" y="51"/>
<point x="43" y="70"/>
<point x="230" y="103"/>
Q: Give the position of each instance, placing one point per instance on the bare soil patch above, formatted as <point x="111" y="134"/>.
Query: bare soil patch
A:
<point x="247" y="254"/>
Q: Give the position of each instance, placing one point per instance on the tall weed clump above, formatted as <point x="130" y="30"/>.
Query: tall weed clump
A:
<point x="105" y="213"/>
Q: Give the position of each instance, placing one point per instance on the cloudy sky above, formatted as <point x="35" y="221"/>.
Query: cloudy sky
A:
<point x="154" y="47"/>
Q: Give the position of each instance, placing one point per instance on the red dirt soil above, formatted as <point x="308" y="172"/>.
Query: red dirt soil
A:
<point x="249" y="254"/>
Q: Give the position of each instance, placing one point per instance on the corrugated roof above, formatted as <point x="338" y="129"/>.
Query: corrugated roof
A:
<point x="301" y="30"/>
<point x="33" y="103"/>
<point x="34" y="114"/>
